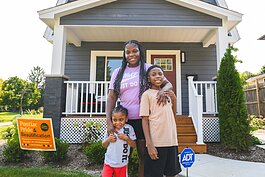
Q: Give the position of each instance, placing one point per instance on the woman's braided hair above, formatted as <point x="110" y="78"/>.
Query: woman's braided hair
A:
<point x="142" y="79"/>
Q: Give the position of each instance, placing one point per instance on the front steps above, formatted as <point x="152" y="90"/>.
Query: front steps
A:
<point x="187" y="136"/>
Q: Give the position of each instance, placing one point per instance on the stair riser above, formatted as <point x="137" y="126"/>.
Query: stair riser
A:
<point x="187" y="139"/>
<point x="185" y="129"/>
<point x="201" y="149"/>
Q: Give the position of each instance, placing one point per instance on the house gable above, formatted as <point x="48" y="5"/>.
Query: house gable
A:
<point x="141" y="13"/>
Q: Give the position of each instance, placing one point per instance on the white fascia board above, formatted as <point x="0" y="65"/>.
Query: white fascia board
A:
<point x="72" y="38"/>
<point x="69" y="8"/>
<point x="209" y="9"/>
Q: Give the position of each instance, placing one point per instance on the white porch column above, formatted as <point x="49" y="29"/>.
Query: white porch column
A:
<point x="58" y="54"/>
<point x="221" y="43"/>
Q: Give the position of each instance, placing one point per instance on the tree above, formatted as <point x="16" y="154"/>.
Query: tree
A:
<point x="18" y="93"/>
<point x="36" y="75"/>
<point x="245" y="76"/>
<point x="1" y="83"/>
<point x="262" y="70"/>
<point x="233" y="117"/>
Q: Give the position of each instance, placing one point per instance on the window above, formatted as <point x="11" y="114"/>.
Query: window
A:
<point x="165" y="63"/>
<point x="105" y="66"/>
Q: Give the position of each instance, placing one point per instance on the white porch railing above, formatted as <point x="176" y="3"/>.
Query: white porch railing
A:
<point x="208" y="90"/>
<point x="195" y="109"/>
<point x="86" y="97"/>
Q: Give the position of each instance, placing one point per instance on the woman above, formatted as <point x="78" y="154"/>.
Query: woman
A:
<point x="128" y="83"/>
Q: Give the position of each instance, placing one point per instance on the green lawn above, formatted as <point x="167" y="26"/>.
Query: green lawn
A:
<point x="39" y="172"/>
<point x="9" y="116"/>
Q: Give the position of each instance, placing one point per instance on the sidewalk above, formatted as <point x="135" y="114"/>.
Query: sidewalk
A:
<point x="206" y="165"/>
<point x="2" y="124"/>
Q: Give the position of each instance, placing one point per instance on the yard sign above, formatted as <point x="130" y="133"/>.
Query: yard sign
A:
<point x="36" y="134"/>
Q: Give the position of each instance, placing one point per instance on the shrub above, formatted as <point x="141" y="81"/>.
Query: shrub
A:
<point x="233" y="117"/>
<point x="59" y="154"/>
<point x="92" y="131"/>
<point x="12" y="151"/>
<point x="256" y="123"/>
<point x="95" y="152"/>
<point x="255" y="140"/>
<point x="133" y="164"/>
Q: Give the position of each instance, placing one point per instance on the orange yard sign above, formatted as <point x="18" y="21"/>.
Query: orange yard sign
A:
<point x="36" y="134"/>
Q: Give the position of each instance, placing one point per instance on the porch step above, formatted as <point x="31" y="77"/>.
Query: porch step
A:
<point x="197" y="148"/>
<point x="187" y="136"/>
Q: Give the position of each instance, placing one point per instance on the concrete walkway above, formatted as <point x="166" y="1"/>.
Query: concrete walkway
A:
<point x="210" y="166"/>
<point x="2" y="124"/>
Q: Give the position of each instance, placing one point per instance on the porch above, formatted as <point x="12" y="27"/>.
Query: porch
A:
<point x="86" y="101"/>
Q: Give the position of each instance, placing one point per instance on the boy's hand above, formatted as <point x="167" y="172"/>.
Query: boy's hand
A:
<point x="123" y="137"/>
<point x="112" y="138"/>
<point x="152" y="151"/>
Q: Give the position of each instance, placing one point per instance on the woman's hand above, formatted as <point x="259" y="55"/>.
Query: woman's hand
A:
<point x="152" y="151"/>
<point x="110" y="128"/>
<point x="162" y="97"/>
<point x="112" y="138"/>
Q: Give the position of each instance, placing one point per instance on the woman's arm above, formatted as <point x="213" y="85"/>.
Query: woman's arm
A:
<point x="152" y="151"/>
<point x="174" y="102"/>
<point x="111" y="102"/>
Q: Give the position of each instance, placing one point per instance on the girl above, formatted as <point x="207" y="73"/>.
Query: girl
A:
<point x="159" y="128"/>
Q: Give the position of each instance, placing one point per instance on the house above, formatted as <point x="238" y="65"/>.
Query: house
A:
<point x="260" y="79"/>
<point x="186" y="37"/>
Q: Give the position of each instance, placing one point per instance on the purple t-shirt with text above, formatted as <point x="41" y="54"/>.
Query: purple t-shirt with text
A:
<point x="129" y="90"/>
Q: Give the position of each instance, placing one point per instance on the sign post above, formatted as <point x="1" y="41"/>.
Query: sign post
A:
<point x="36" y="134"/>
<point x="187" y="158"/>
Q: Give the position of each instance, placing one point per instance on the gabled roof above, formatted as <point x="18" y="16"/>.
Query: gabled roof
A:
<point x="51" y="14"/>
<point x="252" y="79"/>
<point x="262" y="37"/>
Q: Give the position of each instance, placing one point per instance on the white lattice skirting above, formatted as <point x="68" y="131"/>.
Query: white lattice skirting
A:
<point x="211" y="131"/>
<point x="72" y="131"/>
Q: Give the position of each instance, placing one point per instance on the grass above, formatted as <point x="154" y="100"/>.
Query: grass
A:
<point x="40" y="172"/>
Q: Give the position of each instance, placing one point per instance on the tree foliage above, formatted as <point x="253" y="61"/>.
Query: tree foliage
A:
<point x="233" y="117"/>
<point x="245" y="76"/>
<point x="18" y="93"/>
<point x="262" y="70"/>
<point x="36" y="75"/>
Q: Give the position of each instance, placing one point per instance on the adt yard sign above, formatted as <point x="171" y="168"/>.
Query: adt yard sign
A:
<point x="187" y="157"/>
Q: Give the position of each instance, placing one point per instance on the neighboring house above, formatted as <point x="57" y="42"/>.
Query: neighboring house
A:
<point x="260" y="79"/>
<point x="185" y="37"/>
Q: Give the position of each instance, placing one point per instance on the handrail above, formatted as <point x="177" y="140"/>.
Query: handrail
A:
<point x="195" y="109"/>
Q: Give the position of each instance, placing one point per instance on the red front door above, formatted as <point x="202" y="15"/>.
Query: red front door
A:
<point x="168" y="63"/>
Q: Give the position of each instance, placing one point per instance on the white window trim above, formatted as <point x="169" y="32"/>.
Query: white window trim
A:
<point x="178" y="71"/>
<point x="93" y="61"/>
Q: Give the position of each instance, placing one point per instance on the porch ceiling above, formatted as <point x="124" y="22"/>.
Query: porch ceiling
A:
<point x="143" y="34"/>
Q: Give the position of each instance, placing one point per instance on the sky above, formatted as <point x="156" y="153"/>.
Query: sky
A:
<point x="22" y="44"/>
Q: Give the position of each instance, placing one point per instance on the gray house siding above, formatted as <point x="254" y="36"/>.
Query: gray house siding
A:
<point x="200" y="61"/>
<point x="140" y="13"/>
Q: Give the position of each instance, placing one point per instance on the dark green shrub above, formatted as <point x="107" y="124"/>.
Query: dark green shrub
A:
<point x="12" y="151"/>
<point x="95" y="152"/>
<point x="59" y="154"/>
<point x="133" y="164"/>
<point x="255" y="141"/>
<point x="233" y="117"/>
